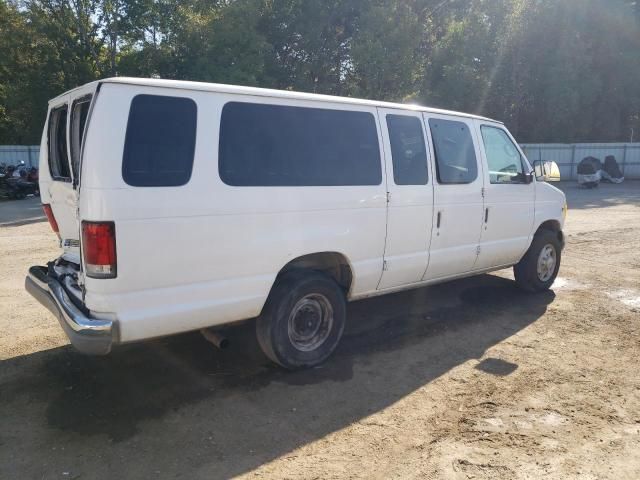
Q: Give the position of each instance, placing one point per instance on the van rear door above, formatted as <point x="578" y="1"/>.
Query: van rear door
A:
<point x="60" y="160"/>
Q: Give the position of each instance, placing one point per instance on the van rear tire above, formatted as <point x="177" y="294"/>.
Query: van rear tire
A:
<point x="303" y="320"/>
<point x="539" y="267"/>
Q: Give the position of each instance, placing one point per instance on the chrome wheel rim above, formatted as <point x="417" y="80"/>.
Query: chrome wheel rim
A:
<point x="310" y="322"/>
<point x="546" y="262"/>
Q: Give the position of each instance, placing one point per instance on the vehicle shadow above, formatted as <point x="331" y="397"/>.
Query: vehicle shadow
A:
<point x="182" y="407"/>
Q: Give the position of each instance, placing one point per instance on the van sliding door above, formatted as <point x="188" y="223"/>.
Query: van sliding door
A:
<point x="410" y="197"/>
<point x="458" y="201"/>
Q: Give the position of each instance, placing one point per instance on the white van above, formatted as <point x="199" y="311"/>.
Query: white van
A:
<point x="183" y="206"/>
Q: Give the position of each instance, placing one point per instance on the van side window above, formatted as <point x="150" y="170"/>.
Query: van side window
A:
<point x="503" y="157"/>
<point x="57" y="137"/>
<point x="456" y="161"/>
<point x="79" y="113"/>
<point x="160" y="141"/>
<point x="278" y="145"/>
<point x="408" y="151"/>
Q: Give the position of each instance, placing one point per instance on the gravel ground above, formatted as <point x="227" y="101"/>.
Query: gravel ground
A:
<point x="22" y="212"/>
<point x="470" y="379"/>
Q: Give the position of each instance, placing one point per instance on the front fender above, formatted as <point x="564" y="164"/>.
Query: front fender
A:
<point x="550" y="208"/>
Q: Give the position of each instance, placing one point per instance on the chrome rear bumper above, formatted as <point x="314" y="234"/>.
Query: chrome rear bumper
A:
<point x="88" y="335"/>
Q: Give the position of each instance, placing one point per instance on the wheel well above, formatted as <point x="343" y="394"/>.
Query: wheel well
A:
<point x="330" y="263"/>
<point x="552" y="226"/>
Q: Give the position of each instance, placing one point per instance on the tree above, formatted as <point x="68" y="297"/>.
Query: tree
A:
<point x="552" y="70"/>
<point x="384" y="58"/>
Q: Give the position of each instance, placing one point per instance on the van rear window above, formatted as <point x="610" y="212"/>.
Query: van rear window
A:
<point x="277" y="145"/>
<point x="160" y="141"/>
<point x="57" y="140"/>
<point x="408" y="151"/>
<point x="79" y="113"/>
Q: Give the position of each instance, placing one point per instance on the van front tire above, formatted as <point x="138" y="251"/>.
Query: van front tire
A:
<point x="539" y="267"/>
<point x="303" y="319"/>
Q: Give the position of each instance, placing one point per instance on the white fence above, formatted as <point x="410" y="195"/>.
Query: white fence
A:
<point x="14" y="154"/>
<point x="568" y="156"/>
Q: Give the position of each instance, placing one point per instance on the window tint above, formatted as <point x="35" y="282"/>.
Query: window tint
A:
<point x="160" y="141"/>
<point x="79" y="114"/>
<point x="58" y="157"/>
<point x="408" y="151"/>
<point x="503" y="158"/>
<point x="275" y="145"/>
<point x="455" y="155"/>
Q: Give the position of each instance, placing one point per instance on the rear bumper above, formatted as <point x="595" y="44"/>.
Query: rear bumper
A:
<point x="88" y="335"/>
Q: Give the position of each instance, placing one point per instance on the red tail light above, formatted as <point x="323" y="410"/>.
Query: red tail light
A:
<point x="99" y="249"/>
<point x="52" y="220"/>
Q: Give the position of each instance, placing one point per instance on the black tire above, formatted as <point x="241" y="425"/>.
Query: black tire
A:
<point x="310" y="294"/>
<point x="526" y="271"/>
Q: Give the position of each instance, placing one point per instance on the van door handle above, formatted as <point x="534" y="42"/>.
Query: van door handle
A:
<point x="486" y="215"/>
<point x="439" y="218"/>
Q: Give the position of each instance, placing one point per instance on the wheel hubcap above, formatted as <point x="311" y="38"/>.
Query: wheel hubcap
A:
<point x="310" y="322"/>
<point x="546" y="263"/>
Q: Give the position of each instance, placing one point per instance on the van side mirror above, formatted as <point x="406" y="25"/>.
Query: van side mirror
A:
<point x="546" y="171"/>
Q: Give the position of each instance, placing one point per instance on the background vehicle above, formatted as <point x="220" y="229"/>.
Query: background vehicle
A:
<point x="15" y="184"/>
<point x="32" y="175"/>
<point x="590" y="172"/>
<point x="182" y="205"/>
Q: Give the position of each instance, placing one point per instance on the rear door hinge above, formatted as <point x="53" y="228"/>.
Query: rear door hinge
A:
<point x="482" y="192"/>
<point x="478" y="250"/>
<point x="385" y="266"/>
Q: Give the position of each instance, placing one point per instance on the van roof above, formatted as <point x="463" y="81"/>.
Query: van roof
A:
<point x="267" y="92"/>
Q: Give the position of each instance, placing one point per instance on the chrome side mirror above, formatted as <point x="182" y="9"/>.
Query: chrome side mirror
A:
<point x="546" y="171"/>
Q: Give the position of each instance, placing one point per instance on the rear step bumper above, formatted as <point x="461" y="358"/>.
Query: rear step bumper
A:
<point x="88" y="335"/>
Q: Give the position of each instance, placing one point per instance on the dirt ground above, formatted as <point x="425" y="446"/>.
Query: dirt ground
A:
<point x="470" y="379"/>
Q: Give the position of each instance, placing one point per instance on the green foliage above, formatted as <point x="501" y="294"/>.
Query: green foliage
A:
<point x="385" y="57"/>
<point x="553" y="70"/>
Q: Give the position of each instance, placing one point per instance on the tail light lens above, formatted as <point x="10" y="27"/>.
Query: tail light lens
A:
<point x="52" y="220"/>
<point x="99" y="249"/>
